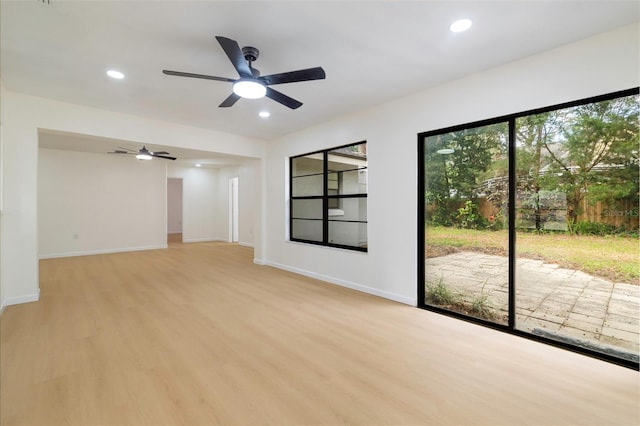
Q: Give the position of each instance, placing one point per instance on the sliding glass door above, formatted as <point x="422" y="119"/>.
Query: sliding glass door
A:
<point x="529" y="223"/>
<point x="465" y="222"/>
<point x="577" y="252"/>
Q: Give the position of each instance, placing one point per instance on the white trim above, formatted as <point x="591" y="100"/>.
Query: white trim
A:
<point x="204" y="240"/>
<point x="20" y="299"/>
<point x="343" y="283"/>
<point x="233" y="209"/>
<point x="245" y="244"/>
<point x="107" y="251"/>
<point x="323" y="247"/>
<point x="259" y="262"/>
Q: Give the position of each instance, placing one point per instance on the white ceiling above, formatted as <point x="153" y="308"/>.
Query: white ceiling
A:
<point x="49" y="139"/>
<point x="372" y="51"/>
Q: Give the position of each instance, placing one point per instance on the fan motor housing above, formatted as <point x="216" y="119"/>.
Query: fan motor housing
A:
<point x="250" y="53"/>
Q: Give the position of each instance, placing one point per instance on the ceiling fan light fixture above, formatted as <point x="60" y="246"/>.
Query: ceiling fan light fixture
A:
<point x="460" y="25"/>
<point x="249" y="89"/>
<point x="445" y="151"/>
<point x="143" y="157"/>
<point x="115" y="74"/>
<point x="250" y="84"/>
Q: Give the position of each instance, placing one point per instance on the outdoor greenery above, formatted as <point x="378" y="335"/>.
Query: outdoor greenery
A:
<point x="564" y="158"/>
<point x="469" y="217"/>
<point x="440" y="294"/>
<point x="576" y="196"/>
<point x="567" y="182"/>
<point x="609" y="257"/>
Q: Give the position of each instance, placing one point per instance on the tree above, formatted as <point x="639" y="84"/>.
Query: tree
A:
<point x="474" y="152"/>
<point x="436" y="184"/>
<point x="600" y="153"/>
<point x="455" y="162"/>
<point x="534" y="135"/>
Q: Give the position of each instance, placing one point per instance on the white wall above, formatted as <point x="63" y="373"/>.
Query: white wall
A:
<point x="97" y="203"/>
<point x="18" y="241"/>
<point x="174" y="206"/>
<point x="248" y="201"/>
<point x="200" y="201"/>
<point x="2" y="119"/>
<point x="206" y="201"/>
<point x="598" y="65"/>
<point x="24" y="115"/>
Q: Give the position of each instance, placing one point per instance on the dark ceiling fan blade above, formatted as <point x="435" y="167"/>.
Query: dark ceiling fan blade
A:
<point x="234" y="53"/>
<point x="308" y="74"/>
<point x="232" y="99"/>
<point x="127" y="149"/>
<point x="117" y="151"/>
<point x="159" y="152"/>
<point x="283" y="99"/>
<point x="188" y="74"/>
<point x="166" y="157"/>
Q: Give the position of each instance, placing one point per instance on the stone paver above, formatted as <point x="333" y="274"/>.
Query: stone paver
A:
<point x="569" y="304"/>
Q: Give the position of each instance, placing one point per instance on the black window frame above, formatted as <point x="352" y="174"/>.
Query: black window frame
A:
<point x="325" y="197"/>
<point x="510" y="327"/>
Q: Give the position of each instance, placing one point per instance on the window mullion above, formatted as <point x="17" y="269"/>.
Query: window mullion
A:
<point x="325" y="198"/>
<point x="512" y="224"/>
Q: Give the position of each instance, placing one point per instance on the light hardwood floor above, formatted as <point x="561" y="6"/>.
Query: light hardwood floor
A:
<point x="198" y="334"/>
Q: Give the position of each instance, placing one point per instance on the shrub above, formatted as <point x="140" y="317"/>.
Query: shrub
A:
<point x="593" y="228"/>
<point x="481" y="307"/>
<point x="439" y="294"/>
<point x="469" y="217"/>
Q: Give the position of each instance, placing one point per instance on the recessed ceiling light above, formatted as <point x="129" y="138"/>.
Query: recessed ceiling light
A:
<point x="198" y="165"/>
<point x="460" y="25"/>
<point x="115" y="74"/>
<point x="264" y="114"/>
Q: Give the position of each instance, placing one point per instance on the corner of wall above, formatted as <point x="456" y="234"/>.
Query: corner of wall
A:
<point x="20" y="299"/>
<point x="2" y="113"/>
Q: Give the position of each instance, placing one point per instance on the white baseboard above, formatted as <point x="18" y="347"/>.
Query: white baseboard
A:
<point x="202" y="240"/>
<point x="343" y="283"/>
<point x="245" y="244"/>
<point x="106" y="251"/>
<point x="19" y="300"/>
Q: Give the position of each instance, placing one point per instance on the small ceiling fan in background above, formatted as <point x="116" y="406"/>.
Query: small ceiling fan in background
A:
<point x="143" y="153"/>
<point x="251" y="85"/>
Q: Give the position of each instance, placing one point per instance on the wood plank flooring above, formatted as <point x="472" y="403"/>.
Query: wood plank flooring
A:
<point x="199" y="335"/>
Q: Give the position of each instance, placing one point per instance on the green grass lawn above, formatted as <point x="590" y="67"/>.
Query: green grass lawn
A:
<point x="614" y="258"/>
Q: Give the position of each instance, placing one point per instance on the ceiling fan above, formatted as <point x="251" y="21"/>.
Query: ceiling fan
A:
<point x="251" y="85"/>
<point x="143" y="153"/>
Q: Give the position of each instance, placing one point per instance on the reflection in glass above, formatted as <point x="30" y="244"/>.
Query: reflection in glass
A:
<point x="466" y="193"/>
<point x="574" y="235"/>
<point x="307" y="175"/>
<point x="348" y="233"/>
<point x="329" y="197"/>
<point x="307" y="209"/>
<point x="577" y="223"/>
<point x="303" y="229"/>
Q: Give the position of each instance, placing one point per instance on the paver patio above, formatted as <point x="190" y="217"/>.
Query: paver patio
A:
<point x="560" y="303"/>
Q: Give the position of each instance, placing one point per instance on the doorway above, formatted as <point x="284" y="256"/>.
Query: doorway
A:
<point x="233" y="210"/>
<point x="174" y="210"/>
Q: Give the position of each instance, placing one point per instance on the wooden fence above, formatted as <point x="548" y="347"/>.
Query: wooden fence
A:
<point x="623" y="215"/>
